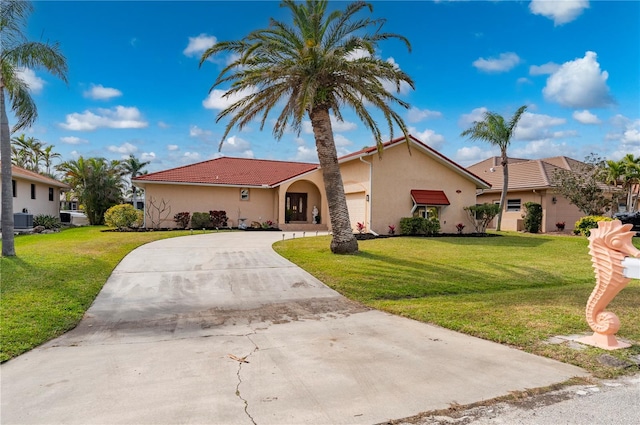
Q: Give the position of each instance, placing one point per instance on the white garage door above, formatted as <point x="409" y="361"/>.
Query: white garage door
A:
<point x="357" y="208"/>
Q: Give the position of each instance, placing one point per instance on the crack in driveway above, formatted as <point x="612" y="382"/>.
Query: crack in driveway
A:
<point x="238" y="373"/>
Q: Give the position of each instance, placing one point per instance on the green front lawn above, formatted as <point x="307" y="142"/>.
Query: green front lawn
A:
<point x="54" y="279"/>
<point x="516" y="289"/>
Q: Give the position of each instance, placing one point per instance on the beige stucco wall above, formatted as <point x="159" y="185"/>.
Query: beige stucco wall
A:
<point x="260" y="207"/>
<point x="552" y="212"/>
<point x="393" y="178"/>
<point x="40" y="205"/>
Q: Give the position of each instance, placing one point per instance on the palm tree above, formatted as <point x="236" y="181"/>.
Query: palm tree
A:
<point x="614" y="175"/>
<point x="47" y="157"/>
<point x="133" y="168"/>
<point x="96" y="182"/>
<point x="17" y="53"/>
<point x="631" y="166"/>
<point x="494" y="130"/>
<point x="322" y="62"/>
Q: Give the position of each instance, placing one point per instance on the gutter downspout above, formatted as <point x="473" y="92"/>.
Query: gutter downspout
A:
<point x="370" y="194"/>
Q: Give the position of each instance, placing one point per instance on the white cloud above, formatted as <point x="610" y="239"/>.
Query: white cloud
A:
<point x="545" y="69"/>
<point x="163" y="124"/>
<point x="579" y="84"/>
<point x="470" y="155"/>
<point x="466" y="120"/>
<point x="236" y="145"/>
<point x="416" y="115"/>
<point x="99" y="92"/>
<point x="429" y="137"/>
<point x="536" y="126"/>
<point x="215" y="99"/>
<point x="306" y="154"/>
<point x="173" y="148"/>
<point x="390" y="86"/>
<point x="195" y="131"/>
<point x="544" y="148"/>
<point x="341" y="126"/>
<point x="198" y="45"/>
<point x="341" y="141"/>
<point x="118" y="117"/>
<point x="73" y="140"/>
<point x="357" y="54"/>
<point x="191" y="156"/>
<point x="35" y="83"/>
<point x="586" y="117"/>
<point x="523" y="80"/>
<point x="148" y="156"/>
<point x="560" y="12"/>
<point x="125" y="149"/>
<point x="504" y="62"/>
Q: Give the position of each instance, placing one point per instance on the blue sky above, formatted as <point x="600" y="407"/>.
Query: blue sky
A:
<point x="135" y="86"/>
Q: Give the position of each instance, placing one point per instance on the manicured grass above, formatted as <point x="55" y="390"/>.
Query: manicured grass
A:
<point x="54" y="279"/>
<point x="516" y="289"/>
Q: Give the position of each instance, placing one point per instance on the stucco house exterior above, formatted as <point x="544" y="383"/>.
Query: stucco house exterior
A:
<point x="380" y="190"/>
<point x="529" y="181"/>
<point x="34" y="193"/>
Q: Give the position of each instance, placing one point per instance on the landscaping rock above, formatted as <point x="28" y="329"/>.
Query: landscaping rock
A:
<point x="609" y="360"/>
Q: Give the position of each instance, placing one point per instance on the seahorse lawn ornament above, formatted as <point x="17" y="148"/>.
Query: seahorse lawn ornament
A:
<point x="609" y="244"/>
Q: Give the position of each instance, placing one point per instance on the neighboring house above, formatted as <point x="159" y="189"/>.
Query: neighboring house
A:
<point x="379" y="190"/>
<point x="529" y="181"/>
<point x="34" y="194"/>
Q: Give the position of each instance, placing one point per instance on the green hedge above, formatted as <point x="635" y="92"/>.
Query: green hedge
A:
<point x="419" y="226"/>
<point x="585" y="224"/>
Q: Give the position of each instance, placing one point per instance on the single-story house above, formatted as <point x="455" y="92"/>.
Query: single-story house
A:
<point x="34" y="194"/>
<point x="405" y="181"/>
<point x="529" y="181"/>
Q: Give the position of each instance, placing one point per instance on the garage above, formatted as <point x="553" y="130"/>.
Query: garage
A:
<point x="357" y="205"/>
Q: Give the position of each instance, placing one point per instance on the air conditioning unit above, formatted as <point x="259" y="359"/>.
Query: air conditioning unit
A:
<point x="22" y="221"/>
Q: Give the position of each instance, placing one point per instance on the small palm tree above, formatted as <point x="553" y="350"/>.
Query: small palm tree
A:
<point x="133" y="168"/>
<point x="47" y="158"/>
<point x="321" y="63"/>
<point x="17" y="53"/>
<point x="494" y="130"/>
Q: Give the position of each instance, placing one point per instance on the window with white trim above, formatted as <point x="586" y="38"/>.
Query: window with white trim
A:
<point x="514" y="205"/>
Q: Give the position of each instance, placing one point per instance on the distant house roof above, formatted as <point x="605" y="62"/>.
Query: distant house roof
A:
<point x="227" y="171"/>
<point x="429" y="197"/>
<point x="524" y="173"/>
<point x="22" y="173"/>
<point x="481" y="183"/>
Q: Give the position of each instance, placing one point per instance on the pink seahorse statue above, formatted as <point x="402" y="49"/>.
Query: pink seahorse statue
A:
<point x="609" y="244"/>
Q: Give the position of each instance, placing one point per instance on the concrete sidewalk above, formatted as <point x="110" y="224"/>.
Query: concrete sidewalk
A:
<point x="164" y="343"/>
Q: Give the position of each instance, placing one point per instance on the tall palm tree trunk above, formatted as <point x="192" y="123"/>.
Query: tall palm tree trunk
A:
<point x="343" y="241"/>
<point x="505" y="188"/>
<point x="8" y="249"/>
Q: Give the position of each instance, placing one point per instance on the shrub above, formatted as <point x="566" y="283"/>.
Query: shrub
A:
<point x="392" y="229"/>
<point x="532" y="217"/>
<point x="360" y="227"/>
<point x="481" y="215"/>
<point x="585" y="224"/>
<point x="419" y="226"/>
<point x="460" y="227"/>
<point x="200" y="220"/>
<point x="123" y="217"/>
<point x="218" y="218"/>
<point x="182" y="219"/>
<point x="46" y="221"/>
<point x="560" y="226"/>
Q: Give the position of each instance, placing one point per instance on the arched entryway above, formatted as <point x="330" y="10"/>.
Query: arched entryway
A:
<point x="301" y="199"/>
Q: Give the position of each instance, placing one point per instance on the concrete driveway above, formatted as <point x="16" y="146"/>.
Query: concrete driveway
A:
<point x="219" y="329"/>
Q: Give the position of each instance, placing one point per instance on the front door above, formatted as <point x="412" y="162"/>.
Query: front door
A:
<point x="296" y="204"/>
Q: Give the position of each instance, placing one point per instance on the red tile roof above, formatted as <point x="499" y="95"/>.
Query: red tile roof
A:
<point x="232" y="171"/>
<point x="33" y="176"/>
<point x="429" y="197"/>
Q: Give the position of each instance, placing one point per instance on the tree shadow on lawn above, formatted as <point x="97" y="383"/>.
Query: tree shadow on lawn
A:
<point x="505" y="240"/>
<point x="397" y="278"/>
